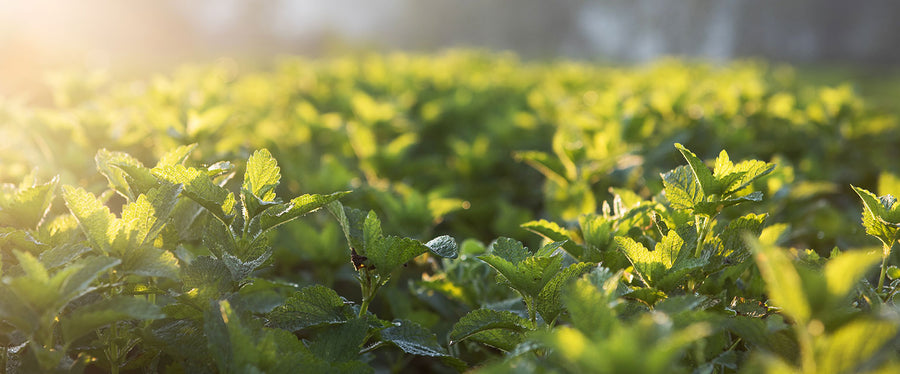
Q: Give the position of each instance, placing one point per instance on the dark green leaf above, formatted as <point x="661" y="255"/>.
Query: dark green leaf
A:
<point x="443" y="246"/>
<point x="311" y="306"/>
<point x="339" y="342"/>
<point x="549" y="304"/>
<point x="481" y="320"/>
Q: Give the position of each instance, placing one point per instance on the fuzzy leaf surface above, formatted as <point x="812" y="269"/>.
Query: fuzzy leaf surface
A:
<point x="311" y="306"/>
<point x="482" y="320"/>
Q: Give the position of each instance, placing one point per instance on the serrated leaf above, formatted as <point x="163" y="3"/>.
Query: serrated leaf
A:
<point x="351" y="221"/>
<point x="373" y="238"/>
<point x="94" y="218"/>
<point x="734" y="246"/>
<point x="144" y="218"/>
<point x="311" y="306"/>
<point x="549" y="304"/>
<point x="176" y="156"/>
<point x="554" y="232"/>
<point x="482" y="320"/>
<point x="297" y="207"/>
<point x="529" y="275"/>
<point x="510" y="250"/>
<point x="262" y="175"/>
<point x="745" y="172"/>
<point x="91" y="317"/>
<point x="62" y="254"/>
<point x="444" y="246"/>
<point x="150" y="261"/>
<point x="198" y="186"/>
<point x="651" y="266"/>
<point x="33" y="268"/>
<point x="241" y="269"/>
<point x="108" y="164"/>
<point x="682" y="189"/>
<point x="588" y="305"/>
<point x="875" y="218"/>
<point x="339" y="342"/>
<point x="783" y="282"/>
<point x="413" y="339"/>
<point x="704" y="177"/>
<point x="549" y="248"/>
<point x="843" y="273"/>
<point x="393" y="252"/>
<point x="208" y="276"/>
<point x="28" y="205"/>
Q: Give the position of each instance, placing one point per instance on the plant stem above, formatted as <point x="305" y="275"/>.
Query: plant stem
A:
<point x="702" y="223"/>
<point x="886" y="252"/>
<point x="112" y="353"/>
<point x="4" y="354"/>
<point x="369" y="287"/>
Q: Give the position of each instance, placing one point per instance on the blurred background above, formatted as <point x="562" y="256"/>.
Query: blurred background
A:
<point x="43" y="35"/>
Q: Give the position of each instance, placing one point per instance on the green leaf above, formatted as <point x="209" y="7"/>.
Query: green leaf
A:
<point x="262" y="175"/>
<point x="150" y="261"/>
<point x="877" y="217"/>
<point x="91" y="317"/>
<point x="198" y="186"/>
<point x="783" y="282"/>
<point x="144" y="218"/>
<point x="373" y="238"/>
<point x="549" y="249"/>
<point x="62" y="254"/>
<point x="28" y="206"/>
<point x="241" y="269"/>
<point x="744" y="173"/>
<point x="682" y="189"/>
<point x="855" y="346"/>
<point x="339" y="342"/>
<point x="351" y="221"/>
<point x="529" y="275"/>
<point x="414" y="339"/>
<point x="549" y="304"/>
<point x="554" y="232"/>
<point x="588" y="302"/>
<point x="311" y="306"/>
<point x="108" y="164"/>
<point x="94" y="218"/>
<point x="704" y="177"/>
<point x="176" y="156"/>
<point x="734" y="246"/>
<point x="393" y="252"/>
<point x="297" y="207"/>
<point x="650" y="266"/>
<point x="482" y="320"/>
<point x="844" y="272"/>
<point x="208" y="277"/>
<point x="89" y="269"/>
<point x="443" y="246"/>
<point x="510" y="250"/>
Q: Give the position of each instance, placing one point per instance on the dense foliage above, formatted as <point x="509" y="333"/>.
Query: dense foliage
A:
<point x="477" y="212"/>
